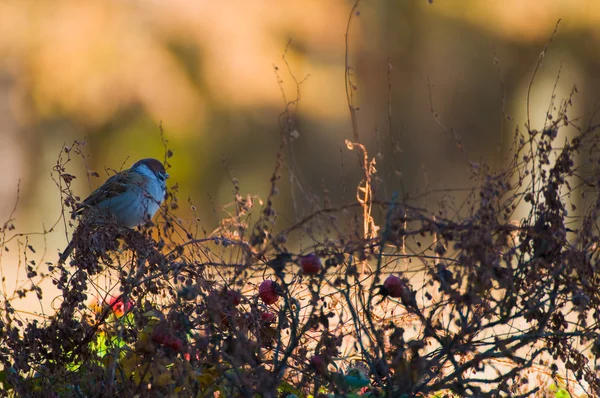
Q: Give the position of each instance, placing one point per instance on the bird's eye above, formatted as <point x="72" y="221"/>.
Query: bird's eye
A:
<point x="162" y="176"/>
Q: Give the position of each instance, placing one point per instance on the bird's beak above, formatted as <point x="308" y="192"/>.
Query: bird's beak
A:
<point x="167" y="175"/>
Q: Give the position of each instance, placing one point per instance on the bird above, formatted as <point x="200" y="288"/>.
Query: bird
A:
<point x="132" y="196"/>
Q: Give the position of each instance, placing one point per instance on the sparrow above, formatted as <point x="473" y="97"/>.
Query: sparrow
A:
<point x="132" y="196"/>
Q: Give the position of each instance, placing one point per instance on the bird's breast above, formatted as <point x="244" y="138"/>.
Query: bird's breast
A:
<point x="136" y="205"/>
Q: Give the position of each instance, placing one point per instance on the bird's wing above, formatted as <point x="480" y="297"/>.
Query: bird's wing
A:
<point x="113" y="187"/>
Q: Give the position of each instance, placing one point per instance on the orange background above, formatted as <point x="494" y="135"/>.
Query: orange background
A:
<point x="109" y="72"/>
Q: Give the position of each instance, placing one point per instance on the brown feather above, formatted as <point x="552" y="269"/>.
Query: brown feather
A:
<point x="153" y="164"/>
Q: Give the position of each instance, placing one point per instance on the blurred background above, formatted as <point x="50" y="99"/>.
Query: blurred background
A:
<point x="212" y="74"/>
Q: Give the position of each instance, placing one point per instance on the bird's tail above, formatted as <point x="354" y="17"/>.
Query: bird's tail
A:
<point x="67" y="252"/>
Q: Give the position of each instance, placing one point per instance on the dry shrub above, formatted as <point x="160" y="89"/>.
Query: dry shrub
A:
<point x="477" y="304"/>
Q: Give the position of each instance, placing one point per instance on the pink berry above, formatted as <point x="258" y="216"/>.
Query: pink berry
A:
<point x="267" y="317"/>
<point x="318" y="363"/>
<point x="233" y="296"/>
<point x="394" y="286"/>
<point x="311" y="264"/>
<point x="267" y="292"/>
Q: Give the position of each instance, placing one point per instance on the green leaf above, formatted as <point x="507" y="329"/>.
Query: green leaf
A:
<point x="292" y="391"/>
<point x="562" y="393"/>
<point x="559" y="392"/>
<point x="128" y="319"/>
<point x="100" y="345"/>
<point x="5" y="386"/>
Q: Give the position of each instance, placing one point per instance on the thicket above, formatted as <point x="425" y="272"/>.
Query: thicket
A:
<point x="389" y="299"/>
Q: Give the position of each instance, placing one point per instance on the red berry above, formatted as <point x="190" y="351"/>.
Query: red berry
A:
<point x="118" y="306"/>
<point x="175" y="344"/>
<point x="318" y="363"/>
<point x="394" y="286"/>
<point x="267" y="317"/>
<point x="267" y="292"/>
<point x="162" y="336"/>
<point x="311" y="264"/>
<point x="159" y="335"/>
<point x="233" y="296"/>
